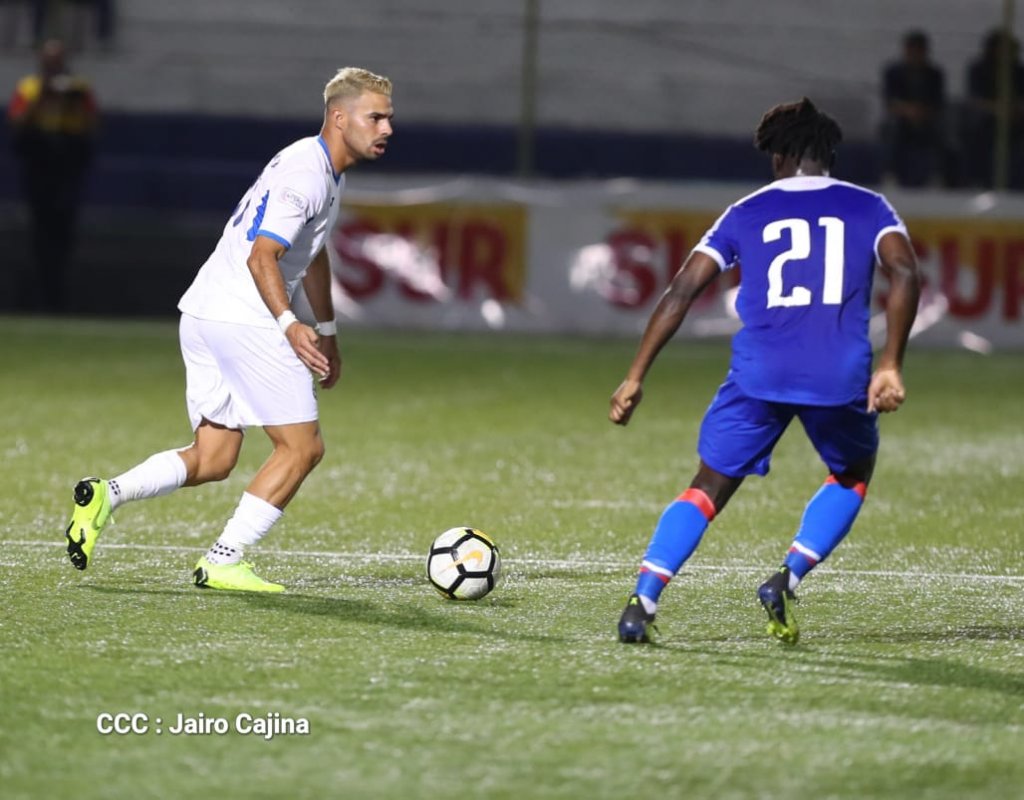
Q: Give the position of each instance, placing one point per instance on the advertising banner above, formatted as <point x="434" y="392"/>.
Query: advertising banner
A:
<point x="593" y="258"/>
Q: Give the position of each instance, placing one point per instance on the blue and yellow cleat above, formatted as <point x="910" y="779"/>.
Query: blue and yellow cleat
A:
<point x="635" y="624"/>
<point x="91" y="514"/>
<point x="777" y="600"/>
<point x="238" y="577"/>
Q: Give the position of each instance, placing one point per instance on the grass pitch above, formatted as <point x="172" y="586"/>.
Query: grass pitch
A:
<point x="907" y="681"/>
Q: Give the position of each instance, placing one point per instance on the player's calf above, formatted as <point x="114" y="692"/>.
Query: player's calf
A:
<point x="827" y="519"/>
<point x="679" y="531"/>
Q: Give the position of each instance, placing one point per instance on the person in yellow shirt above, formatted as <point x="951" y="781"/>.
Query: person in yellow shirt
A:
<point x="53" y="118"/>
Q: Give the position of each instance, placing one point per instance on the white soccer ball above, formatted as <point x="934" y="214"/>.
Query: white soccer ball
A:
<point x="463" y="564"/>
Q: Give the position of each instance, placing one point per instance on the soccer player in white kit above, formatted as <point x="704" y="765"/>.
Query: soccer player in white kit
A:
<point x="248" y="360"/>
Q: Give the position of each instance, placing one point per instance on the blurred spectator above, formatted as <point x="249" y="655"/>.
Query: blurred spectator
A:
<point x="53" y="117"/>
<point x="981" y="113"/>
<point x="913" y="131"/>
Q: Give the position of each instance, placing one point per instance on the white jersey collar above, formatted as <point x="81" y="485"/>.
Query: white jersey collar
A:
<point x="803" y="183"/>
<point x="330" y="164"/>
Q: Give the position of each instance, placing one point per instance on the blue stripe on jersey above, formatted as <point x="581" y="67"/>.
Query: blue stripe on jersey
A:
<point x="275" y="237"/>
<point x="261" y="209"/>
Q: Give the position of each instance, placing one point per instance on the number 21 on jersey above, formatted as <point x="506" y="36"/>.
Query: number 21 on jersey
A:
<point x="799" y="249"/>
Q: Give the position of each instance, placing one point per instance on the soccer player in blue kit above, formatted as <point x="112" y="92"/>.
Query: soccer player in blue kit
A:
<point x="807" y="245"/>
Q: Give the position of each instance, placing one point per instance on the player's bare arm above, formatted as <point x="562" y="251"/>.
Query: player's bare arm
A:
<point x="696" y="274"/>
<point x="317" y="283"/>
<point x="266" y="273"/>
<point x="899" y="265"/>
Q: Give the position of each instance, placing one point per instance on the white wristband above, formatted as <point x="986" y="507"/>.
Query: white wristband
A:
<point x="329" y="328"/>
<point x="285" y="320"/>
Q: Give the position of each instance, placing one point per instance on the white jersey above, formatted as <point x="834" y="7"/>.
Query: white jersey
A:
<point x="295" y="202"/>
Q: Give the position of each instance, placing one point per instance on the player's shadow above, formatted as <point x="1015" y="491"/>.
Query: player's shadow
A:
<point x="121" y="589"/>
<point x="942" y="673"/>
<point x="456" y="618"/>
<point x="936" y="672"/>
<point x="907" y="670"/>
<point x="981" y="633"/>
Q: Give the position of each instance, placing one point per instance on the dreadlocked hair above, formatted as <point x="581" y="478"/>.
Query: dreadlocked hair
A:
<point x="798" y="130"/>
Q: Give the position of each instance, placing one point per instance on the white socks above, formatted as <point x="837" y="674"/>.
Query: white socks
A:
<point x="252" y="519"/>
<point x="164" y="472"/>
<point x="223" y="554"/>
<point x="158" y="475"/>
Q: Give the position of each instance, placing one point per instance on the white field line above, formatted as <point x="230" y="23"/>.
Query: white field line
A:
<point x="558" y="563"/>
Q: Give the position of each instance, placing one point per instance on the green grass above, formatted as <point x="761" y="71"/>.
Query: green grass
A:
<point x="907" y="681"/>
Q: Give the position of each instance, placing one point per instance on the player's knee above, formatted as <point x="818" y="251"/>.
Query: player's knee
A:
<point x="219" y="472"/>
<point x="316" y="453"/>
<point x="859" y="472"/>
<point x="702" y="500"/>
<point x="715" y="487"/>
<point x="216" y="467"/>
<point x="849" y="481"/>
<point x="306" y="455"/>
<point x="206" y="465"/>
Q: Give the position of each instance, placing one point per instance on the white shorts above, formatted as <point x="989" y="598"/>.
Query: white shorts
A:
<point x="240" y="375"/>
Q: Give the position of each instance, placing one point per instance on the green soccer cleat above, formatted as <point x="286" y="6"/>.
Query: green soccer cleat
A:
<point x="237" y="577"/>
<point x="778" y="602"/>
<point x="91" y="514"/>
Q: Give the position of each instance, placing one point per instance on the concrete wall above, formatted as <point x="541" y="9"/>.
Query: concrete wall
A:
<point x="703" y="66"/>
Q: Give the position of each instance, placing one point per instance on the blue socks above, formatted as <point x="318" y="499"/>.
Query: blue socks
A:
<point x="827" y="519"/>
<point x="676" y="536"/>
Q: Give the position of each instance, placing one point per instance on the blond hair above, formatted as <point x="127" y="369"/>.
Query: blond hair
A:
<point x="351" y="82"/>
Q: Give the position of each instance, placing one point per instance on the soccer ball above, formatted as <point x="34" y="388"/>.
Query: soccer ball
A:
<point x="463" y="564"/>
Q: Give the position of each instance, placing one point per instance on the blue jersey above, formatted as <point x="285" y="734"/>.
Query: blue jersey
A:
<point x="807" y="249"/>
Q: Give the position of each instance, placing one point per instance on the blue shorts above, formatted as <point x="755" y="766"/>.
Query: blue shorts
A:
<point x="739" y="432"/>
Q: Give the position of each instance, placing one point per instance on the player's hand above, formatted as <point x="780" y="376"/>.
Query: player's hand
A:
<point x="886" y="392"/>
<point x="625" y="400"/>
<point x="306" y="343"/>
<point x="329" y="347"/>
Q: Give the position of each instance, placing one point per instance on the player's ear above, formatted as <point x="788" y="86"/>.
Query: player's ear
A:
<point x="336" y="115"/>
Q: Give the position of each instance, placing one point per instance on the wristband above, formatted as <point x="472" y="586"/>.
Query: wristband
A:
<point x="285" y="320"/>
<point x="329" y="328"/>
